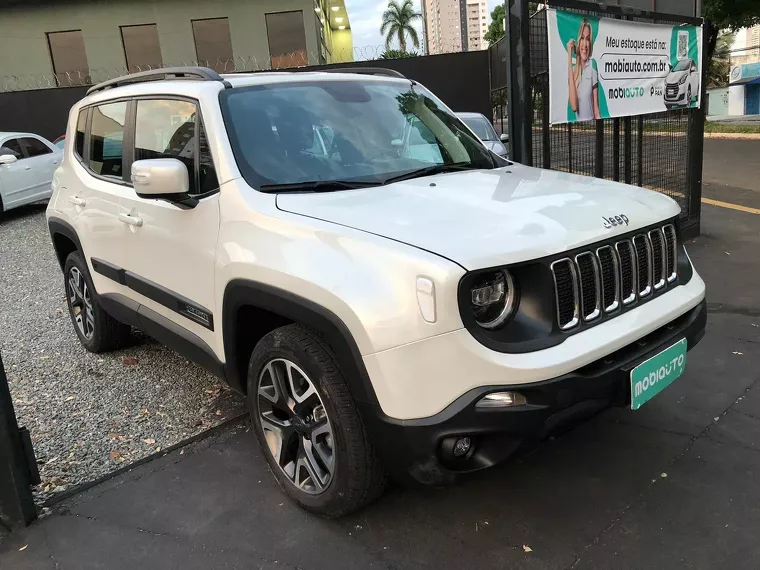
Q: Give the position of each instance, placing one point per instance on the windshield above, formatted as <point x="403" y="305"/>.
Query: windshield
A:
<point x="366" y="132"/>
<point x="682" y="65"/>
<point x="481" y="127"/>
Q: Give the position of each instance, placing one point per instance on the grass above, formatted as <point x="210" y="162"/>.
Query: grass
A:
<point x="719" y="127"/>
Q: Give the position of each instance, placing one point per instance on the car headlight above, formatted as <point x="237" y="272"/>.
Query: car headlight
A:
<point x="682" y="80"/>
<point x="493" y="298"/>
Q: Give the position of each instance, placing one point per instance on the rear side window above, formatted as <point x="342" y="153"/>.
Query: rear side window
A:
<point x="13" y="148"/>
<point x="35" y="147"/>
<point x="107" y="138"/>
<point x="79" y="135"/>
<point x="172" y="129"/>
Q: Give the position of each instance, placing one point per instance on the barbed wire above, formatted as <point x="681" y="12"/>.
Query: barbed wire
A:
<point x="300" y="59"/>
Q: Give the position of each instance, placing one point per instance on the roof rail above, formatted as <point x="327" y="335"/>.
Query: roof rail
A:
<point x="364" y="71"/>
<point x="195" y="73"/>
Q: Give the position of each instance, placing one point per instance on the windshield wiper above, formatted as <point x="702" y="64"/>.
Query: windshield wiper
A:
<point x="317" y="186"/>
<point x="430" y="170"/>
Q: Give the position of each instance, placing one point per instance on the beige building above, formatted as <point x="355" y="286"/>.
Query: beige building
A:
<point x="94" y="39"/>
<point x="746" y="48"/>
<point x="454" y="25"/>
<point x="477" y="24"/>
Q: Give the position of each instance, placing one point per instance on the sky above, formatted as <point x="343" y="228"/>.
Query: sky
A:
<point x="365" y="17"/>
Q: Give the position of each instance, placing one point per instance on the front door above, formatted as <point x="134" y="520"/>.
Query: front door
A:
<point x="168" y="248"/>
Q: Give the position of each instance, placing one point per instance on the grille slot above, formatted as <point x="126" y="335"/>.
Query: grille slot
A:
<point x="643" y="264"/>
<point x="610" y="276"/>
<point x="588" y="273"/>
<point x="566" y="293"/>
<point x="659" y="262"/>
<point x="671" y="253"/>
<point x="628" y="281"/>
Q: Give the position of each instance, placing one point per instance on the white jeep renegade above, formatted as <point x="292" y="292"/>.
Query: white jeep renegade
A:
<point x="391" y="297"/>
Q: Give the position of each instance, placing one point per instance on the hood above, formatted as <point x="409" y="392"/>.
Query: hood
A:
<point x="675" y="76"/>
<point x="496" y="146"/>
<point x="485" y="218"/>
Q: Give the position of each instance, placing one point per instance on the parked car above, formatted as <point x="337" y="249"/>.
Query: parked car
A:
<point x="682" y="84"/>
<point x="27" y="164"/>
<point x="416" y="316"/>
<point x="483" y="128"/>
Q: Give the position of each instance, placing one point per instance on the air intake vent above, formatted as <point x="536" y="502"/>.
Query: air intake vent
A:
<point x="644" y="264"/>
<point x="628" y="281"/>
<point x="610" y="275"/>
<point x="671" y="252"/>
<point x="588" y="272"/>
<point x="566" y="293"/>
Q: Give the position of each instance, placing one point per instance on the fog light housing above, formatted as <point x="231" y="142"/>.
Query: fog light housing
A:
<point x="462" y="446"/>
<point x="496" y="400"/>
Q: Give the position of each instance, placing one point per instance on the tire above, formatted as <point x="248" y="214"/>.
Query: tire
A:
<point x="101" y="332"/>
<point x="341" y="473"/>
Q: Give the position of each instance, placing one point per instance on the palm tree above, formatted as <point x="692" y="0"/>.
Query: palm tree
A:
<point x="397" y="22"/>
<point x="719" y="67"/>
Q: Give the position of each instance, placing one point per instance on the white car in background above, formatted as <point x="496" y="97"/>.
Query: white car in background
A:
<point x="27" y="164"/>
<point x="485" y="131"/>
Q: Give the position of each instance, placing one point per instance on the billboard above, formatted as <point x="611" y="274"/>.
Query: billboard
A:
<point x="602" y="67"/>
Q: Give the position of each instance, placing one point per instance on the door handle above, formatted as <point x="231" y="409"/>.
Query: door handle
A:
<point x="27" y="168"/>
<point x="77" y="201"/>
<point x="55" y="162"/>
<point x="131" y="220"/>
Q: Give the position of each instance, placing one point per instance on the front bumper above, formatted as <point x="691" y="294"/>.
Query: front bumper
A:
<point x="418" y="448"/>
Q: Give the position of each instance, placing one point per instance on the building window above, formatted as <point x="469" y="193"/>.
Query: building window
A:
<point x="68" y="57"/>
<point x="141" y="48"/>
<point x="213" y="44"/>
<point x="287" y="39"/>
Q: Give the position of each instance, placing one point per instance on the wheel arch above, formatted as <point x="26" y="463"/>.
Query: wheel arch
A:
<point x="65" y="239"/>
<point x="244" y="299"/>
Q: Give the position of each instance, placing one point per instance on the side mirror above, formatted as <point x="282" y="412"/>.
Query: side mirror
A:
<point x="504" y="138"/>
<point x="7" y="159"/>
<point x="161" y="178"/>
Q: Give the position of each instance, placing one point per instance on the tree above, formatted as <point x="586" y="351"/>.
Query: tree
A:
<point x="718" y="69"/>
<point x="727" y="14"/>
<point x="496" y="27"/>
<point x="397" y="54"/>
<point x="397" y="23"/>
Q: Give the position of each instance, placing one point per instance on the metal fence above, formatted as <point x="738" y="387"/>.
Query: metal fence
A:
<point x="659" y="151"/>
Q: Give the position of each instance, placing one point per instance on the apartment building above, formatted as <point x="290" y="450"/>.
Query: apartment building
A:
<point x="477" y="24"/>
<point x="91" y="39"/>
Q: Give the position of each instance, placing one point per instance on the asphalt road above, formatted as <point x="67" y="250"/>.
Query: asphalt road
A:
<point x="672" y="485"/>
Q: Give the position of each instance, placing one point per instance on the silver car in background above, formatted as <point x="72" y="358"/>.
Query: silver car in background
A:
<point x="486" y="133"/>
<point x="27" y="164"/>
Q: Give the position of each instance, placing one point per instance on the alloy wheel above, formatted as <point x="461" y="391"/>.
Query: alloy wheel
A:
<point x="81" y="303"/>
<point x="296" y="426"/>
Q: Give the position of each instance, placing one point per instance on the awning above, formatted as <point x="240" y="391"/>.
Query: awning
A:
<point x="745" y="73"/>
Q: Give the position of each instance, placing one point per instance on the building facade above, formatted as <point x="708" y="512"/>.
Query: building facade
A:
<point x="73" y="40"/>
<point x="454" y="25"/>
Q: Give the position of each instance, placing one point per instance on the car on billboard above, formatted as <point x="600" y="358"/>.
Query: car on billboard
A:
<point x="682" y="84"/>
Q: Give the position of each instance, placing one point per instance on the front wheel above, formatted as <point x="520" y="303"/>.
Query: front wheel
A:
<point x="308" y="426"/>
<point x="688" y="95"/>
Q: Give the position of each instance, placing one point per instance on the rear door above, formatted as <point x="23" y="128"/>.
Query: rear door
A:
<point x="16" y="180"/>
<point x="42" y="160"/>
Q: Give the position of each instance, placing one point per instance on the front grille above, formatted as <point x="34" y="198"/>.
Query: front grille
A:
<point x="671" y="90"/>
<point x="614" y="276"/>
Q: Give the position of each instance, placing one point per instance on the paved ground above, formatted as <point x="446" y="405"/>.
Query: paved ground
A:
<point x="672" y="485"/>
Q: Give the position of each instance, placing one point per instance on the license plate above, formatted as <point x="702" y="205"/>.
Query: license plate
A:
<point x="652" y="376"/>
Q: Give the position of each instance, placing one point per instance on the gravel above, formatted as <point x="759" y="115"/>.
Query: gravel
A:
<point x="89" y="414"/>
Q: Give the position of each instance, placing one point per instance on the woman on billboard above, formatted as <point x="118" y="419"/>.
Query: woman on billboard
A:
<point x="582" y="77"/>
